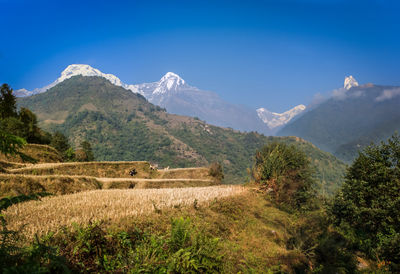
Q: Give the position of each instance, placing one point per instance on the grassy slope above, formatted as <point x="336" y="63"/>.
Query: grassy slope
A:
<point x="122" y="125"/>
<point x="36" y="153"/>
<point x="252" y="233"/>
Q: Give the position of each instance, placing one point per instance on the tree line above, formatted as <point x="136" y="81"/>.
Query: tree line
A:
<point x="362" y="219"/>
<point x="20" y="126"/>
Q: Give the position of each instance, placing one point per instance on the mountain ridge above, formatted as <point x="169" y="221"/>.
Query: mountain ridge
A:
<point x="350" y="120"/>
<point x="122" y="125"/>
<point x="174" y="94"/>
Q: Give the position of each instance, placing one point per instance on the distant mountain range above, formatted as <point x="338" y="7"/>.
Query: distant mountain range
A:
<point x="178" y="97"/>
<point x="123" y="125"/>
<point x="352" y="118"/>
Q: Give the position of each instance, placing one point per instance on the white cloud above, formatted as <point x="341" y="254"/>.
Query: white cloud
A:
<point x="388" y="94"/>
<point x="342" y="93"/>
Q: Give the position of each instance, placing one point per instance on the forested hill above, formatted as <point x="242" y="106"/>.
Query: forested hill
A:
<point x="123" y="125"/>
<point x="350" y="120"/>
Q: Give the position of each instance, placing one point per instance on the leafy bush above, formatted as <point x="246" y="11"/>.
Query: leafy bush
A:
<point x="10" y="144"/>
<point x="184" y="250"/>
<point x="216" y="171"/>
<point x="366" y="209"/>
<point x="285" y="172"/>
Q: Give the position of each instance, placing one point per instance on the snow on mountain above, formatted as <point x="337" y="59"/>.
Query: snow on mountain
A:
<point x="74" y="70"/>
<point x="22" y="92"/>
<point x="274" y="120"/>
<point x="158" y="92"/>
<point x="168" y="82"/>
<point x="350" y="82"/>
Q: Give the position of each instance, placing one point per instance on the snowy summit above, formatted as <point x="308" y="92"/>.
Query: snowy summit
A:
<point x="169" y="82"/>
<point x="74" y="70"/>
<point x="350" y="82"/>
<point x="274" y="120"/>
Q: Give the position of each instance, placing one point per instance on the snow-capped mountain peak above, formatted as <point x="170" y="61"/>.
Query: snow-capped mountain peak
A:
<point x="350" y="82"/>
<point x="170" y="81"/>
<point x="274" y="120"/>
<point x="86" y="70"/>
<point x="74" y="70"/>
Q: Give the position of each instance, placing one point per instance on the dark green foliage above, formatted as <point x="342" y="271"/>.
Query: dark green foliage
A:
<point x="61" y="144"/>
<point x="85" y="153"/>
<point x="23" y="123"/>
<point x="7" y="102"/>
<point x="184" y="250"/>
<point x="366" y="209"/>
<point x="10" y="144"/>
<point x="285" y="172"/>
<point x="216" y="171"/>
<point x="30" y="130"/>
<point x="94" y="249"/>
<point x="36" y="258"/>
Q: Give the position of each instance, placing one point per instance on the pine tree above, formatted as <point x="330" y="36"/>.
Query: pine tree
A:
<point x="8" y="101"/>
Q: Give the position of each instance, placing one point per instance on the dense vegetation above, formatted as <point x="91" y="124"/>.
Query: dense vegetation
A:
<point x="18" y="127"/>
<point x="285" y="173"/>
<point x="366" y="209"/>
<point x="347" y="123"/>
<point x="22" y="123"/>
<point x="299" y="237"/>
<point x="122" y="125"/>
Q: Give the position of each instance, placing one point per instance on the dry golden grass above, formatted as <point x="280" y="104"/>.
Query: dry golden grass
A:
<point x="15" y="184"/>
<point x="94" y="169"/>
<point x="11" y="165"/>
<point x="111" y="205"/>
<point x="110" y="183"/>
<point x="40" y="153"/>
<point x="189" y="173"/>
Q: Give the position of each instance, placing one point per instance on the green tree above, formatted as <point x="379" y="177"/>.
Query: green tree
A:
<point x="87" y="148"/>
<point x="31" y="131"/>
<point x="285" y="172"/>
<point x="7" y="102"/>
<point x="216" y="171"/>
<point x="367" y="207"/>
<point x="10" y="144"/>
<point x="61" y="144"/>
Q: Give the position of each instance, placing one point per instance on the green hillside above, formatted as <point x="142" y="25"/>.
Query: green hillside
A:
<point x="347" y="123"/>
<point x="124" y="126"/>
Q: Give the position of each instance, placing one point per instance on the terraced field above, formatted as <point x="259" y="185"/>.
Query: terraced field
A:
<point x="111" y="205"/>
<point x="66" y="178"/>
<point x="86" y="191"/>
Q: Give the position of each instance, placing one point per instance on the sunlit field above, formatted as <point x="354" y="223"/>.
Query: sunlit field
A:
<point x="112" y="205"/>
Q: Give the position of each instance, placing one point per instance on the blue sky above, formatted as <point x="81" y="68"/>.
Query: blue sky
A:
<point x="272" y="54"/>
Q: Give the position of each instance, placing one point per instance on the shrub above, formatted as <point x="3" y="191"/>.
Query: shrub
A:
<point x="366" y="208"/>
<point x="285" y="172"/>
<point x="216" y="171"/>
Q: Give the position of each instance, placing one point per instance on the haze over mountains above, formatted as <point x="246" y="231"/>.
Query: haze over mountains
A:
<point x="352" y="118"/>
<point x="173" y="93"/>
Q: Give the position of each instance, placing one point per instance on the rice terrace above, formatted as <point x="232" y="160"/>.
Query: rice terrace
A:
<point x="200" y="136"/>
